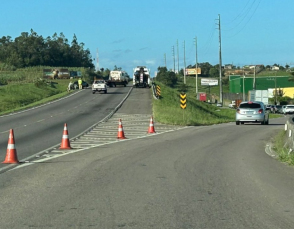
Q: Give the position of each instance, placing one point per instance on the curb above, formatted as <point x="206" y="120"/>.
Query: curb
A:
<point x="269" y="151"/>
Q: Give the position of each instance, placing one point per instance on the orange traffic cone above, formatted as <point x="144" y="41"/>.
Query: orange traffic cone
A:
<point x="151" y="129"/>
<point x="65" y="141"/>
<point x="120" y="134"/>
<point x="11" y="156"/>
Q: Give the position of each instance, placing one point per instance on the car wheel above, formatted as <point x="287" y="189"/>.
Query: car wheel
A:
<point x="93" y="92"/>
<point x="242" y="123"/>
<point x="105" y="92"/>
<point x="237" y="123"/>
<point x="267" y="122"/>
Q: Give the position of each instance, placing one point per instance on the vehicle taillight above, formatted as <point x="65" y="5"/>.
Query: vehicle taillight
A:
<point x="260" y="111"/>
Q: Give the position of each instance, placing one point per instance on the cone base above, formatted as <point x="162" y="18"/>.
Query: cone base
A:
<point x="65" y="148"/>
<point x="121" y="138"/>
<point x="10" y="162"/>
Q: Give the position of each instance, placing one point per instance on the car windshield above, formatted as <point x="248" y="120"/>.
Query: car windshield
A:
<point x="249" y="105"/>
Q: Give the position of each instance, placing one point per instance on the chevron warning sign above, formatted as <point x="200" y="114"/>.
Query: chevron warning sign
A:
<point x="183" y="100"/>
<point x="158" y="90"/>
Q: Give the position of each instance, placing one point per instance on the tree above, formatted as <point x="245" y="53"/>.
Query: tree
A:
<point x="30" y="49"/>
<point x="168" y="78"/>
<point x="214" y="72"/>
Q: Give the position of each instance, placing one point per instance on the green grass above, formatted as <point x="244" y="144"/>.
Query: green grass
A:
<point x="281" y="149"/>
<point x="18" y="96"/>
<point x="273" y="73"/>
<point x="167" y="109"/>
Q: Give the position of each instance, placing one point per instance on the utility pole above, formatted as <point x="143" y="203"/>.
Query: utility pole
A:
<point x="243" y="85"/>
<point x="173" y="53"/>
<point x="254" y="80"/>
<point x="164" y="59"/>
<point x="196" y="66"/>
<point x="178" y="56"/>
<point x="184" y="63"/>
<point x="276" y="88"/>
<point x="97" y="61"/>
<point x="220" y="63"/>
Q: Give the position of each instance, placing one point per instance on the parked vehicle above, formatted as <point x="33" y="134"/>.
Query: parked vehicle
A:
<point x="117" y="78"/>
<point x="141" y="77"/>
<point x="288" y="109"/>
<point x="278" y="109"/>
<point x="75" y="85"/>
<point x="99" y="85"/>
<point x="252" y="112"/>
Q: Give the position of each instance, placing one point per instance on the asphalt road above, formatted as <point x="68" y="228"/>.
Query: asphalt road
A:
<point x="198" y="177"/>
<point x="42" y="127"/>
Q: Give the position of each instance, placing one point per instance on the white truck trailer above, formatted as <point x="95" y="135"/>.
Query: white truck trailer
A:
<point x="117" y="78"/>
<point x="141" y="77"/>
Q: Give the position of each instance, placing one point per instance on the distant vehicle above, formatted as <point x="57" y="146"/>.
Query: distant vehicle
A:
<point x="141" y="77"/>
<point x="278" y="109"/>
<point x="99" y="85"/>
<point x="288" y="109"/>
<point x="219" y="105"/>
<point x="75" y="85"/>
<point x="252" y="112"/>
<point x="117" y="78"/>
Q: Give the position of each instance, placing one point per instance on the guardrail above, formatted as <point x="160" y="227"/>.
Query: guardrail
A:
<point x="289" y="128"/>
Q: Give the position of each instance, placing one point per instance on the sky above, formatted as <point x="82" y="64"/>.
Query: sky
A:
<point x="158" y="33"/>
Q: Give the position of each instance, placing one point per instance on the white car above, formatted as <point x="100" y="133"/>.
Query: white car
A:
<point x="288" y="109"/>
<point x="99" y="85"/>
<point x="252" y="112"/>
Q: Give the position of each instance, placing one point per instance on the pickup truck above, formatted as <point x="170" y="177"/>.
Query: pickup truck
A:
<point x="99" y="85"/>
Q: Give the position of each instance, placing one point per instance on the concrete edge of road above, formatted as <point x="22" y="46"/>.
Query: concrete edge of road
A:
<point x="39" y="154"/>
<point x="270" y="151"/>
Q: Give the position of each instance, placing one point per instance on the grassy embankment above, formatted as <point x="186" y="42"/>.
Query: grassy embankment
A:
<point x="281" y="149"/>
<point x="23" y="89"/>
<point x="168" y="110"/>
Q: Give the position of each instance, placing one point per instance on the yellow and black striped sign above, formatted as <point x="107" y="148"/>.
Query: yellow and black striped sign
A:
<point x="183" y="100"/>
<point x="158" y="91"/>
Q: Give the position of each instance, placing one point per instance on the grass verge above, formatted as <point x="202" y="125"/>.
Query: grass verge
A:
<point x="281" y="149"/>
<point x="167" y="110"/>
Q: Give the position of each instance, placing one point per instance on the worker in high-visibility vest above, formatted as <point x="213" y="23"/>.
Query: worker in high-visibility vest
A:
<point x="80" y="83"/>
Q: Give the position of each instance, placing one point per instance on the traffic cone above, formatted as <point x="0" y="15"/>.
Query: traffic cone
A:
<point x="65" y="141"/>
<point x="151" y="129"/>
<point x="11" y="156"/>
<point x="120" y="134"/>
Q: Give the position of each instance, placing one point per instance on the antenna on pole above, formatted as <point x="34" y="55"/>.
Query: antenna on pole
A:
<point x="184" y="63"/>
<point x="173" y="53"/>
<point x="97" y="60"/>
<point x="220" y="63"/>
<point x="164" y="59"/>
<point x="178" y="56"/>
<point x="196" y="67"/>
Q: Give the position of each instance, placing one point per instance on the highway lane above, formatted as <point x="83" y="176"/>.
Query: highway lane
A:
<point x="37" y="129"/>
<point x="199" y="177"/>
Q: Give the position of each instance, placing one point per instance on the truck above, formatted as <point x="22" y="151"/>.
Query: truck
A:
<point x="117" y="77"/>
<point x="141" y="77"/>
<point x="99" y="86"/>
<point x="259" y="95"/>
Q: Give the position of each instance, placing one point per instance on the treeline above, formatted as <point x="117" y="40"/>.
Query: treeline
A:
<point x="30" y="50"/>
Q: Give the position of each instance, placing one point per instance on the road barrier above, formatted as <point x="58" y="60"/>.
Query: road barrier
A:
<point x="11" y="155"/>
<point x="65" y="144"/>
<point x="151" y="129"/>
<point x="289" y="128"/>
